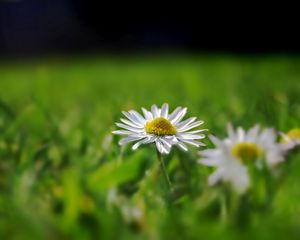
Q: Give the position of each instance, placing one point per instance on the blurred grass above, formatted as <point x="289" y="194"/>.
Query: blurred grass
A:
<point x="63" y="176"/>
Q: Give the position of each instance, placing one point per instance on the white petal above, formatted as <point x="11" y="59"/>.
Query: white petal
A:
<point x="216" y="141"/>
<point x="241" y="134"/>
<point x="172" y="139"/>
<point x="192" y="142"/>
<point x="166" y="142"/>
<point x="285" y="137"/>
<point x="290" y="145"/>
<point x="275" y="155"/>
<point x="165" y="110"/>
<point x="138" y="117"/>
<point x="174" y="113"/>
<point x="197" y="131"/>
<point x="267" y="137"/>
<point x="129" y="139"/>
<point x="149" y="139"/>
<point x="215" y="177"/>
<point x="155" y="111"/>
<point x="133" y="129"/>
<point x="252" y="134"/>
<point x="231" y="133"/>
<point x="159" y="146"/>
<point x="185" y="123"/>
<point x="147" y="114"/>
<point x="210" y="152"/>
<point x="209" y="162"/>
<point x="168" y="149"/>
<point x="132" y="124"/>
<point x="165" y="147"/>
<point x="182" y="146"/>
<point x="132" y="119"/>
<point x="179" y="116"/>
<point x="240" y="179"/>
<point x="191" y="136"/>
<point x="123" y="132"/>
<point x="188" y="127"/>
<point x="139" y="143"/>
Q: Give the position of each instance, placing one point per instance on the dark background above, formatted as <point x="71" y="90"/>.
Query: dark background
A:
<point x="30" y="27"/>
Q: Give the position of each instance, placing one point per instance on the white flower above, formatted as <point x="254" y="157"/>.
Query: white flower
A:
<point x="291" y="139"/>
<point x="159" y="127"/>
<point x="240" y="148"/>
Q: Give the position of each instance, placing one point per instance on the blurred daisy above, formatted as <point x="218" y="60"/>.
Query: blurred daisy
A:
<point x="291" y="139"/>
<point x="241" y="148"/>
<point x="159" y="127"/>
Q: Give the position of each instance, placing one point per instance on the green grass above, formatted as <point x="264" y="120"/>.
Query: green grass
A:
<point x="63" y="175"/>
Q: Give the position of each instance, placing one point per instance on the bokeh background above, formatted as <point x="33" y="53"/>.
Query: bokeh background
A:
<point x="68" y="69"/>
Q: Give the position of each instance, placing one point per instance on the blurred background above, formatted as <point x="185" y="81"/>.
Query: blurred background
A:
<point x="67" y="70"/>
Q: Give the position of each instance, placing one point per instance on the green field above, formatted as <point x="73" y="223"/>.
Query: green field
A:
<point x="64" y="176"/>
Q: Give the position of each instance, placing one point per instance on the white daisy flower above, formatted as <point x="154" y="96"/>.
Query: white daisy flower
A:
<point x="159" y="127"/>
<point x="291" y="139"/>
<point x="240" y="148"/>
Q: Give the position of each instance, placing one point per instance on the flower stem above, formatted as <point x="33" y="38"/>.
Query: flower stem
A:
<point x="163" y="169"/>
<point x="224" y="210"/>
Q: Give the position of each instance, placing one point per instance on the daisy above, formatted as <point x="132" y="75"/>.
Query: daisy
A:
<point x="160" y="127"/>
<point x="232" y="155"/>
<point x="291" y="139"/>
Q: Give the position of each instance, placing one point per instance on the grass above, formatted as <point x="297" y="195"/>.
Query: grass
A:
<point x="63" y="175"/>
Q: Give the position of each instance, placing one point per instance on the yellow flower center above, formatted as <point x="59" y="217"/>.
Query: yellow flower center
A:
<point x="160" y="127"/>
<point x="247" y="151"/>
<point x="293" y="134"/>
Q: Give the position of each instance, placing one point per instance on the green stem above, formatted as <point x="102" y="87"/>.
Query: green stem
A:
<point x="163" y="169"/>
<point x="224" y="210"/>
